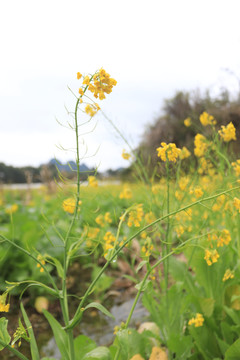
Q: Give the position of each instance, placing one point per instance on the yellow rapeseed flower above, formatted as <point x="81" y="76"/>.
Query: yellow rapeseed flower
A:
<point x="125" y="155"/>
<point x="126" y="193"/>
<point x="197" y="321"/>
<point x="185" y="153"/>
<point x="100" y="220"/>
<point x="200" y="143"/>
<point x="236" y="203"/>
<point x="236" y="167"/>
<point x="69" y="205"/>
<point x="168" y="151"/>
<point x="42" y="261"/>
<point x="228" y="132"/>
<point x="3" y="306"/>
<point x="92" y="181"/>
<point x="79" y="75"/>
<point x="188" y="122"/>
<point x="228" y="275"/>
<point x="135" y="216"/>
<point x="224" y="238"/>
<point x="211" y="256"/>
<point x="11" y="209"/>
<point x="91" y="110"/>
<point x="86" y="80"/>
<point x="207" y="119"/>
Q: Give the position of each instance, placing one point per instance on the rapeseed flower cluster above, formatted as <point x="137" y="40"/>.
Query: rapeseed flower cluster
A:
<point x="40" y="258"/>
<point x="147" y="248"/>
<point x="20" y="333"/>
<point x="207" y="119"/>
<point x="197" y="321"/>
<point x="125" y="155"/>
<point x="109" y="240"/>
<point x="211" y="256"/>
<point x="99" y="84"/>
<point x="126" y="193"/>
<point x="92" y="181"/>
<point x="69" y="205"/>
<point x="168" y="151"/>
<point x="201" y="145"/>
<point x="91" y="234"/>
<point x="3" y="306"/>
<point x="103" y="220"/>
<point x="135" y="216"/>
<point x="187" y="122"/>
<point x="236" y="167"/>
<point x="205" y="166"/>
<point x="197" y="191"/>
<point x="228" y="275"/>
<point x="228" y="132"/>
<point x="236" y="203"/>
<point x="185" y="153"/>
<point x="224" y="238"/>
<point x="11" y="209"/>
<point x="183" y="182"/>
<point x="156" y="189"/>
<point x="92" y="109"/>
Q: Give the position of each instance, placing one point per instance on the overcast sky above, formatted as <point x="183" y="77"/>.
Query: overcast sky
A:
<point x="152" y="48"/>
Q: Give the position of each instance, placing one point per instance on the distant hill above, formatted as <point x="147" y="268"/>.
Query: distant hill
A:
<point x="69" y="166"/>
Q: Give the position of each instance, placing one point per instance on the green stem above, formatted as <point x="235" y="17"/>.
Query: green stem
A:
<point x="166" y="265"/>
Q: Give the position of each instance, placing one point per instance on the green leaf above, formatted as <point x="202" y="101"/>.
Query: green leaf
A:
<point x="58" y="266"/>
<point x="131" y="278"/>
<point x="227" y="333"/>
<point x="207" y="306"/>
<point x="4" y="335"/>
<point x="140" y="265"/>
<point x="206" y="342"/>
<point x="59" y="335"/>
<point x="130" y="343"/>
<point x="100" y="308"/>
<point x="232" y="314"/>
<point x="180" y="345"/>
<point x="233" y="352"/>
<point x="100" y="353"/>
<point x="33" y="344"/>
<point x="83" y="345"/>
<point x="142" y="285"/>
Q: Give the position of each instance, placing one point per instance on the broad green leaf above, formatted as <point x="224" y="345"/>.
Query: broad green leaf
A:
<point x="4" y="335"/>
<point x="100" y="353"/>
<point x="100" y="308"/>
<point x="33" y="344"/>
<point x="83" y="345"/>
<point x="233" y="314"/>
<point x="222" y="345"/>
<point x="130" y="343"/>
<point x="233" y="352"/>
<point x="206" y="342"/>
<point x="180" y="345"/>
<point x="59" y="335"/>
<point x="227" y="333"/>
<point x="58" y="266"/>
<point x="207" y="306"/>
